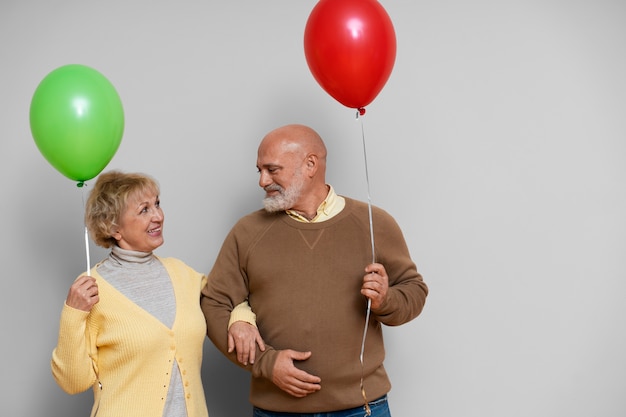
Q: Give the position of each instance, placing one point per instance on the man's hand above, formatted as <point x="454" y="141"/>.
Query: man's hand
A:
<point x="375" y="284"/>
<point x="243" y="337"/>
<point x="292" y="380"/>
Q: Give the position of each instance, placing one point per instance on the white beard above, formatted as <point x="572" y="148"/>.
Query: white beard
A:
<point x="286" y="198"/>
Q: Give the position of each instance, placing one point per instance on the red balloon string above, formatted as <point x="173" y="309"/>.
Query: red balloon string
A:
<point x="369" y="301"/>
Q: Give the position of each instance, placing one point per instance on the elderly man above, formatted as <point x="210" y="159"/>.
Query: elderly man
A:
<point x="304" y="263"/>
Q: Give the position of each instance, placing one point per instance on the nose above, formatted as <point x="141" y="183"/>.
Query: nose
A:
<point x="264" y="179"/>
<point x="157" y="215"/>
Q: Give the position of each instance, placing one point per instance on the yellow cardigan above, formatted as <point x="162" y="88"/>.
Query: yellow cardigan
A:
<point x="126" y="355"/>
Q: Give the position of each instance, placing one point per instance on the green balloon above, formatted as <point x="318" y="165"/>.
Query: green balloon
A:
<point x="77" y="121"/>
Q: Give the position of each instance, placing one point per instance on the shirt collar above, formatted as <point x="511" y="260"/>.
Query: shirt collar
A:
<point x="331" y="205"/>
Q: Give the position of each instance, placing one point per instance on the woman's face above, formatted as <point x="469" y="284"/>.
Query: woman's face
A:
<point x="141" y="224"/>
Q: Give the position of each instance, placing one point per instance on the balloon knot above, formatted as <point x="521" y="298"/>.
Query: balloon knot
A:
<point x="361" y="111"/>
<point x="81" y="184"/>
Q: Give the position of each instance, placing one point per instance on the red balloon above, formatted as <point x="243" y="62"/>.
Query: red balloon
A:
<point x="350" y="48"/>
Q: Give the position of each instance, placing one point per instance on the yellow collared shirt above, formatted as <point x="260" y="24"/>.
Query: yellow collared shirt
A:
<point x="330" y="207"/>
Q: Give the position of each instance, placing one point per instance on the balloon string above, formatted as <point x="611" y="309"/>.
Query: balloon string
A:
<point x="368" y="412"/>
<point x="86" y="236"/>
<point x="87" y="249"/>
<point x="369" y="199"/>
<point x="83" y="185"/>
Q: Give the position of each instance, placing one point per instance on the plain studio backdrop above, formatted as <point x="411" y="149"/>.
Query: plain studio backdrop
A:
<point x="498" y="143"/>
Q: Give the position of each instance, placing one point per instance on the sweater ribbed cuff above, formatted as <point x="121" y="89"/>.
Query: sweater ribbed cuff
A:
<point x="242" y="312"/>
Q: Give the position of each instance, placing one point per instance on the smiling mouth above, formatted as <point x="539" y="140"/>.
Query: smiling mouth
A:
<point x="158" y="229"/>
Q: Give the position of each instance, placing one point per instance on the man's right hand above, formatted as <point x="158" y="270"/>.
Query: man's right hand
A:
<point x="292" y="380"/>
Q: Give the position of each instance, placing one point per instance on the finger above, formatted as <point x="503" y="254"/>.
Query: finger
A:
<point x="298" y="393"/>
<point x="260" y="342"/>
<point x="297" y="388"/>
<point x="85" y="280"/>
<point x="231" y="342"/>
<point x="298" y="356"/>
<point x="303" y="389"/>
<point x="295" y="391"/>
<point x="310" y="387"/>
<point x="372" y="268"/>
<point x="305" y="379"/>
<point x="242" y="352"/>
<point x="376" y="268"/>
<point x="252" y="352"/>
<point x="243" y="358"/>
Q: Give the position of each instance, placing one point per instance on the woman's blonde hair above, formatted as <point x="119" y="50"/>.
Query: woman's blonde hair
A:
<point x="107" y="201"/>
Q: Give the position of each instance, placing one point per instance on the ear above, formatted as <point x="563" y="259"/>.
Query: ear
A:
<point x="312" y="164"/>
<point x="116" y="235"/>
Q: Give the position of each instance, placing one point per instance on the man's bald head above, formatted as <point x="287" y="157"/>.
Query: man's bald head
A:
<point x="296" y="138"/>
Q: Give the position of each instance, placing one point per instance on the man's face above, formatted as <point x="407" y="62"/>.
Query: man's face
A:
<point x="280" y="175"/>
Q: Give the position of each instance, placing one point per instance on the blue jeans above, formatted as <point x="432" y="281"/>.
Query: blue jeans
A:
<point x="379" y="408"/>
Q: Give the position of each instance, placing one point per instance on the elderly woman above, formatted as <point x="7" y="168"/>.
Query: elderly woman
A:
<point x="133" y="329"/>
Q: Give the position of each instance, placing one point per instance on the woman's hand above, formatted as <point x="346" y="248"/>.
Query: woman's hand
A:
<point x="83" y="293"/>
<point x="243" y="337"/>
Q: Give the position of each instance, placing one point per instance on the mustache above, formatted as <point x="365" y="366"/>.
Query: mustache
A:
<point x="273" y="187"/>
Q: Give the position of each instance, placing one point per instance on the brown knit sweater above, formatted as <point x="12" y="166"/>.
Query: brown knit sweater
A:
<point x="303" y="281"/>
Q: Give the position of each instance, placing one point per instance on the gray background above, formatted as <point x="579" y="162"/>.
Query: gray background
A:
<point x="498" y="144"/>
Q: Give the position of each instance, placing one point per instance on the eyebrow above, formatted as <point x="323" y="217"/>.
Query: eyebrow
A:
<point x="269" y="165"/>
<point x="141" y="203"/>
